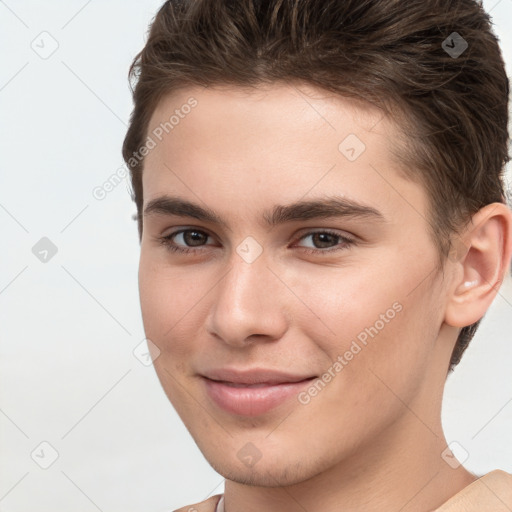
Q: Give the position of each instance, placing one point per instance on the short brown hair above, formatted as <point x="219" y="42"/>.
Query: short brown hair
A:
<point x="434" y="65"/>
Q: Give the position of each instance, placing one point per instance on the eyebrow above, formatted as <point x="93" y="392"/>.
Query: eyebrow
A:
<point x="322" y="208"/>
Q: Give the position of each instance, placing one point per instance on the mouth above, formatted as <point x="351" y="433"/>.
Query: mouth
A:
<point x="250" y="386"/>
<point x="252" y="399"/>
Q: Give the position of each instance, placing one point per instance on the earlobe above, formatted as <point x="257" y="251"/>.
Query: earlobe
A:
<point x="482" y="267"/>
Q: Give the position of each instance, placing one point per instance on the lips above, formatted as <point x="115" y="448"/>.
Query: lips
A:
<point x="251" y="386"/>
<point x="254" y="376"/>
<point x="252" y="392"/>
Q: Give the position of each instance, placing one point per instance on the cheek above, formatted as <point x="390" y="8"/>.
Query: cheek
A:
<point x="379" y="353"/>
<point x="345" y="303"/>
<point x="373" y="320"/>
<point x="170" y="304"/>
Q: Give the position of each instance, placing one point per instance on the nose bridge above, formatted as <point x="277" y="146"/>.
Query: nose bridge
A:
<point x="247" y="301"/>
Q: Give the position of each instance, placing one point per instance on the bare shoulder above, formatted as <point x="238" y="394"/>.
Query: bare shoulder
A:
<point x="204" y="506"/>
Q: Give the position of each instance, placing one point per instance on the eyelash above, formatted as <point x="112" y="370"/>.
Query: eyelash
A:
<point x="166" y="241"/>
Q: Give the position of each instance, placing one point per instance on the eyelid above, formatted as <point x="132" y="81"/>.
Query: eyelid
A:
<point x="346" y="240"/>
<point x="333" y="231"/>
<point x="173" y="234"/>
<point x="305" y="231"/>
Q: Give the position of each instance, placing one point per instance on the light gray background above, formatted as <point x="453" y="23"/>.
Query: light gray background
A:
<point x="68" y="327"/>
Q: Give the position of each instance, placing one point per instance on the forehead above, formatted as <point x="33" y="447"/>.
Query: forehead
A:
<point x="274" y="143"/>
<point x="291" y="108"/>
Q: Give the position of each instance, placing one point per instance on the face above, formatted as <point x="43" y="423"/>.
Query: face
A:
<point x="287" y="279"/>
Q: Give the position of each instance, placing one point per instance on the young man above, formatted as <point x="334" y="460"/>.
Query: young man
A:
<point x="323" y="225"/>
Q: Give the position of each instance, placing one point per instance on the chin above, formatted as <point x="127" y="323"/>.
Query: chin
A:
<point x="275" y="466"/>
<point x="262" y="474"/>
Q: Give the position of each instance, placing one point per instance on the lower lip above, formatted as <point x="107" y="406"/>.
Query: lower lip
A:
<point x="246" y="401"/>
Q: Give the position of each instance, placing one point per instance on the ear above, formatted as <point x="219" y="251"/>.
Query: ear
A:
<point x="481" y="258"/>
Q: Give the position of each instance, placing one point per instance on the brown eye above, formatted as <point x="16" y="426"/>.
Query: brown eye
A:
<point x="323" y="240"/>
<point x="194" y="238"/>
<point x="185" y="240"/>
<point x="326" y="242"/>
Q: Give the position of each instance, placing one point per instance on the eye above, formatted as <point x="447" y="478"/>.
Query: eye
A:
<point x="193" y="240"/>
<point x="194" y="237"/>
<point x="327" y="241"/>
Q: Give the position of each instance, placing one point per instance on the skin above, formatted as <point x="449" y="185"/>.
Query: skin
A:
<point x="372" y="438"/>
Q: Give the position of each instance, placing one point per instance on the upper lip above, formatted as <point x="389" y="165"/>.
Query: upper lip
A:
<point x="253" y="376"/>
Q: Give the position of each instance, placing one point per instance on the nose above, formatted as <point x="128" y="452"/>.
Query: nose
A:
<point x="249" y="303"/>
